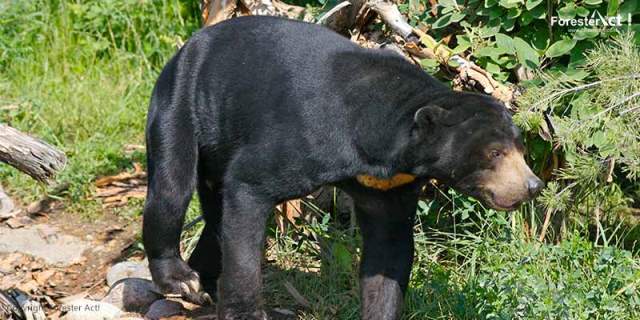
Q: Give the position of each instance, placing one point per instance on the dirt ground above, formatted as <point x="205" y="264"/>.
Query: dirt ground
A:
<point x="57" y="257"/>
<point x="46" y="272"/>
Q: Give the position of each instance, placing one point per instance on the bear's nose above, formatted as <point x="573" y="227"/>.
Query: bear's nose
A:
<point x="534" y="185"/>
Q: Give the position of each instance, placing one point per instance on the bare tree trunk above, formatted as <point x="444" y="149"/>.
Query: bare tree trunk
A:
<point x="29" y="155"/>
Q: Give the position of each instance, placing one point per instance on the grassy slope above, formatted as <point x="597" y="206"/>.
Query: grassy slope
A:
<point x="81" y="75"/>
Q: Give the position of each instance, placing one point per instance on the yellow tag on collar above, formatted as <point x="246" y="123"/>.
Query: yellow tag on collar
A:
<point x="385" y="184"/>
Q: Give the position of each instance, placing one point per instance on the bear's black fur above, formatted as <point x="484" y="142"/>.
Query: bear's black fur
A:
<point x="257" y="110"/>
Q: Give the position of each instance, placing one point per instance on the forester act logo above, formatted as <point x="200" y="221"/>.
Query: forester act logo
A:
<point x="596" y="21"/>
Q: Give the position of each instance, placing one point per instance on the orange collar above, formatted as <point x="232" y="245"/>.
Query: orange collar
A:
<point x="385" y="184"/>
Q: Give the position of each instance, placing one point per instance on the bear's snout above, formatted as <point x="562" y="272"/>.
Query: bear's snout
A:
<point x="506" y="185"/>
<point x="534" y="185"/>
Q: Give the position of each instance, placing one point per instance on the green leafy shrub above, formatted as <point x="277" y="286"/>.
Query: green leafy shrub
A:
<point x="595" y="132"/>
<point x="506" y="34"/>
<point x="487" y="268"/>
<point x="572" y="280"/>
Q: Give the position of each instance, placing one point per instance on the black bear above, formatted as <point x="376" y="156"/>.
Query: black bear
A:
<point x="257" y="110"/>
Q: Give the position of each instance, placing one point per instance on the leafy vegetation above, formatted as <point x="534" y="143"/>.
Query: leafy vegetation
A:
<point x="506" y="34"/>
<point x="79" y="74"/>
<point x="595" y="132"/>
<point x="471" y="263"/>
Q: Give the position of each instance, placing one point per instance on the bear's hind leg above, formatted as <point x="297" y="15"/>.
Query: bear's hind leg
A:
<point x="172" y="161"/>
<point x="243" y="235"/>
<point x="206" y="258"/>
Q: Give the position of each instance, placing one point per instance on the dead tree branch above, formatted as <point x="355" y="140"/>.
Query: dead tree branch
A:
<point x="390" y="14"/>
<point x="214" y="11"/>
<point x="340" y="18"/>
<point x="467" y="70"/>
<point x="344" y="17"/>
<point x="29" y="155"/>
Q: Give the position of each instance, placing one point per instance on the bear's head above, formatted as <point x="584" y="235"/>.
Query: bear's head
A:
<point x="468" y="141"/>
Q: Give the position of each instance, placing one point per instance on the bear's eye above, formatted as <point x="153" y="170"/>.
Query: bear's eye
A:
<point x="495" y="154"/>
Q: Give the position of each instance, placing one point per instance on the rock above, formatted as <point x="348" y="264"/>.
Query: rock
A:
<point x="164" y="308"/>
<point x="130" y="316"/>
<point x="133" y="295"/>
<point x="6" y="206"/>
<point x="18" y="222"/>
<point x="128" y="269"/>
<point x="48" y="233"/>
<point x="84" y="309"/>
<point x="38" y="241"/>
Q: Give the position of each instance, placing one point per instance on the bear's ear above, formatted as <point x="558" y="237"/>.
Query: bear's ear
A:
<point x="434" y="115"/>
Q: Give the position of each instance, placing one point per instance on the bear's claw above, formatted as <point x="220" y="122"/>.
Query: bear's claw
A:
<point x="176" y="280"/>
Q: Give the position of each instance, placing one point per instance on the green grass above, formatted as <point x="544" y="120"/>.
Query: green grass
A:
<point x="80" y="74"/>
<point x="480" y="267"/>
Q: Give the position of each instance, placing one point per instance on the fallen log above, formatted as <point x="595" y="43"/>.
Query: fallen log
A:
<point x="30" y="155"/>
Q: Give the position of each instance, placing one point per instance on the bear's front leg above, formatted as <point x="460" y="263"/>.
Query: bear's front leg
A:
<point x="386" y="223"/>
<point x="243" y="233"/>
